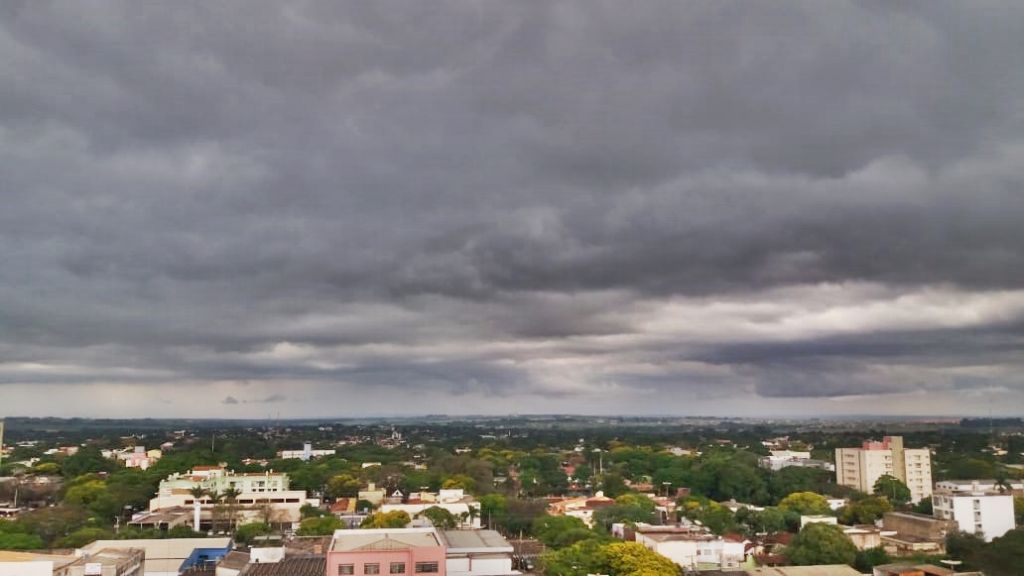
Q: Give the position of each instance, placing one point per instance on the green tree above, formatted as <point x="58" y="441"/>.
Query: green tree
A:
<point x="629" y="508"/>
<point x="247" y="533"/>
<point x="462" y="481"/>
<point x="805" y="503"/>
<point x="864" y="510"/>
<point x="83" y="536"/>
<point x="893" y="489"/>
<point x="322" y="526"/>
<point x="821" y="544"/>
<point x="866" y="560"/>
<point x="560" y="531"/>
<point x="343" y="486"/>
<point x="493" y="510"/>
<point x="20" y="541"/>
<point x="924" y="506"/>
<point x="392" y="519"/>
<point x="87" y="460"/>
<point x="634" y="559"/>
<point x="603" y="557"/>
<point x="440" y="518"/>
<point x="184" y="531"/>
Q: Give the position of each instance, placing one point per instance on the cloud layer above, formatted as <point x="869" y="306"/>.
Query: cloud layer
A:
<point x="397" y="207"/>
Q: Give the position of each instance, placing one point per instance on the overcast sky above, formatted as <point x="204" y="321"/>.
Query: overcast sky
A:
<point x="243" y="209"/>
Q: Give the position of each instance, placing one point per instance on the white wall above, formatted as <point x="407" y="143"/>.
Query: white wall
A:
<point x="992" y="516"/>
<point x="34" y="568"/>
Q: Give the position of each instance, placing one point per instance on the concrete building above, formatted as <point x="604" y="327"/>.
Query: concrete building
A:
<point x="908" y="533"/>
<point x="307" y="453"/>
<point x="140" y="458"/>
<point x="398" y="551"/>
<point x="582" y="507"/>
<point x="106" y="562"/>
<point x="1014" y="487"/>
<point x="261" y="497"/>
<point x="31" y="564"/>
<point x="454" y="501"/>
<point x="690" y="547"/>
<point x="860" y="468"/>
<point x="165" y="556"/>
<point x="477" y="553"/>
<point x="818" y="570"/>
<point x="987" y="514"/>
<point x="779" y="459"/>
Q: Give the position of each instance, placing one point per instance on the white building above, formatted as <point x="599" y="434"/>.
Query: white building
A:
<point x="261" y="496"/>
<point x="691" y="548"/>
<point x="988" y="514"/>
<point x="454" y="501"/>
<point x="477" y="553"/>
<point x="979" y="486"/>
<point x="307" y="453"/>
<point x="779" y="459"/>
<point x="860" y="468"/>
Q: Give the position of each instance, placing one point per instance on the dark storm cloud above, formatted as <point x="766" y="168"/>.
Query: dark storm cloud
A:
<point x="524" y="200"/>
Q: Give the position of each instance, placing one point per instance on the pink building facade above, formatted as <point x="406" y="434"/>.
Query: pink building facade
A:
<point x="386" y="551"/>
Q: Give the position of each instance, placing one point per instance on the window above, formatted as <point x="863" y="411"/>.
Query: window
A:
<point x="371" y="568"/>
<point x="398" y="567"/>
<point x="426" y="567"/>
<point x="346" y="569"/>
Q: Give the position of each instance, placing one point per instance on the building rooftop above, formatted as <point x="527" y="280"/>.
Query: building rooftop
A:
<point x="465" y="541"/>
<point x="821" y="570"/>
<point x="385" y="539"/>
<point x="294" y="566"/>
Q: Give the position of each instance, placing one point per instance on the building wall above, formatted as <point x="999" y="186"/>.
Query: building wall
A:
<point x="464" y="566"/>
<point x="455" y="508"/>
<point x="918" y="473"/>
<point x="860" y="468"/>
<point x="409" y="557"/>
<point x="987" y="515"/>
<point x="30" y="568"/>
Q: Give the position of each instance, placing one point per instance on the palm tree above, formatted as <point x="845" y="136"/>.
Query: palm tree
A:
<point x="197" y="493"/>
<point x="215" y="499"/>
<point x="231" y="496"/>
<point x="474" y="512"/>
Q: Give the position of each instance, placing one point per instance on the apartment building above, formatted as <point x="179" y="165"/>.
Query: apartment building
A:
<point x="988" y="514"/>
<point x="261" y="496"/>
<point x="860" y="468"/>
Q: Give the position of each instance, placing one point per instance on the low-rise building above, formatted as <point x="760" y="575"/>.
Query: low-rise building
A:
<point x="817" y="519"/>
<point x="987" y="514"/>
<point x="779" y="459"/>
<point x="165" y="556"/>
<point x="14" y="563"/>
<point x="477" y="553"/>
<point x="582" y="507"/>
<point x="818" y="570"/>
<point x="307" y="453"/>
<point x="908" y="533"/>
<point x="392" y="551"/>
<point x="465" y="508"/>
<point x="106" y="562"/>
<point x="263" y="497"/>
<point x="691" y="547"/>
<point x="1014" y="487"/>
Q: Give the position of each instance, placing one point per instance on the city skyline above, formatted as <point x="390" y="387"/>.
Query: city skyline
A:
<point x="333" y="209"/>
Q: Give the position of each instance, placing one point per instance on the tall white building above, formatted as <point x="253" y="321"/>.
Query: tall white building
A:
<point x="860" y="468"/>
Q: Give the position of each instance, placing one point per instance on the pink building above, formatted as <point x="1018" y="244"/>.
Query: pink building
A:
<point x="386" y="551"/>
